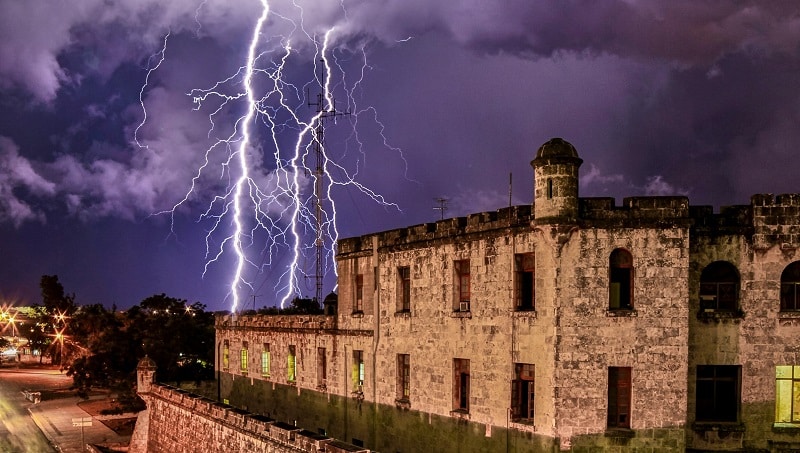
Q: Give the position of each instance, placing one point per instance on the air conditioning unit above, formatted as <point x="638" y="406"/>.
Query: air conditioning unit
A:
<point x="463" y="305"/>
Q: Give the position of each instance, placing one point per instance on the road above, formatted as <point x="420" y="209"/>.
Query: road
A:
<point x="18" y="432"/>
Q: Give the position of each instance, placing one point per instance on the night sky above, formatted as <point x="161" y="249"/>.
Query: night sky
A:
<point x="98" y="141"/>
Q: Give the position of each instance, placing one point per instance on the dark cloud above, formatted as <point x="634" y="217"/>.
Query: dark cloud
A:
<point x="447" y="99"/>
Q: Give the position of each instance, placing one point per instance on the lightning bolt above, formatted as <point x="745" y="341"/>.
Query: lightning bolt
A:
<point x="269" y="188"/>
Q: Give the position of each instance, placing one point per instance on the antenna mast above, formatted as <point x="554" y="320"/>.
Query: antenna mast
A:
<point x="323" y="114"/>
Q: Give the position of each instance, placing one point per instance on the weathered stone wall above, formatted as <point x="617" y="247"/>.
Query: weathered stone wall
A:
<point x="571" y="338"/>
<point x="760" y="240"/>
<point x="180" y="422"/>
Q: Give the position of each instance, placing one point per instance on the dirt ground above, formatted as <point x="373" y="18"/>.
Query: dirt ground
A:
<point x="121" y="426"/>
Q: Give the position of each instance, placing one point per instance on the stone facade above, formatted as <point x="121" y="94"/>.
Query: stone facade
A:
<point x="572" y="324"/>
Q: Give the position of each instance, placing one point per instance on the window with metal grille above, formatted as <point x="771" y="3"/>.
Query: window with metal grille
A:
<point x="619" y="397"/>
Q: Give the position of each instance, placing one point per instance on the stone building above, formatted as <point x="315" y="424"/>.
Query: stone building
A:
<point x="570" y="324"/>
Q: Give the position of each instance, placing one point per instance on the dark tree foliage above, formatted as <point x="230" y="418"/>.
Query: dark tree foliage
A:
<point x="55" y="301"/>
<point x="40" y="334"/>
<point x="177" y="336"/>
<point x="298" y="306"/>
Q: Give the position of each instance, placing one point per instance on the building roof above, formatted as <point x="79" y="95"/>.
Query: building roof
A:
<point x="557" y="150"/>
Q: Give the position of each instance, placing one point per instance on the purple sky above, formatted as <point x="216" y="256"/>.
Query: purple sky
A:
<point x="446" y="99"/>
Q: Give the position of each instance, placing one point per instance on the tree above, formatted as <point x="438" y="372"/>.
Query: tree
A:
<point x="177" y="336"/>
<point x="40" y="335"/>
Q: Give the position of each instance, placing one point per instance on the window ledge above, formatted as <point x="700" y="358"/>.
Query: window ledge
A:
<point x="710" y="314"/>
<point x="265" y="376"/>
<point x="789" y="314"/>
<point x="622" y="313"/>
<point x="461" y="314"/>
<point x="291" y="382"/>
<point x="402" y="403"/>
<point x="402" y="314"/>
<point x="358" y="314"/>
<point x="523" y="424"/>
<point x="788" y="428"/>
<point x="725" y="427"/>
<point x="620" y="432"/>
<point x="462" y="414"/>
<point x="523" y="313"/>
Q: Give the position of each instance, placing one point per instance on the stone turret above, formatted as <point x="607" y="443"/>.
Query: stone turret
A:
<point x="145" y="374"/>
<point x="555" y="187"/>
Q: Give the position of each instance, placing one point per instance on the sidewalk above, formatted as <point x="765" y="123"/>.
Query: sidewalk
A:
<point x="55" y="419"/>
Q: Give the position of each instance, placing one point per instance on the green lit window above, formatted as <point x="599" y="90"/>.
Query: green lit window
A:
<point x="358" y="371"/>
<point x="265" y="360"/>
<point x="291" y="366"/>
<point x="787" y="394"/>
<point x="243" y="359"/>
<point x="225" y="355"/>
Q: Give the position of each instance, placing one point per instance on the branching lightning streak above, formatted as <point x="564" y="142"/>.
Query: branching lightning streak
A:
<point x="274" y="200"/>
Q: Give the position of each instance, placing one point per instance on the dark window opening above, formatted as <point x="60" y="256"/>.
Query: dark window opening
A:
<point x="719" y="287"/>
<point x="524" y="284"/>
<point x="718" y="393"/>
<point x="790" y="287"/>
<point x="620" y="289"/>
<point x="403" y="376"/>
<point x="404" y="274"/>
<point x="549" y="188"/>
<point x="619" y="397"/>
<point x="522" y="392"/>
<point x="463" y="285"/>
<point x="461" y="384"/>
<point x="359" y="303"/>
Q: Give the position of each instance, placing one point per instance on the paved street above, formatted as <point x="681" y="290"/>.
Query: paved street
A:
<point x="23" y="423"/>
<point x="18" y="432"/>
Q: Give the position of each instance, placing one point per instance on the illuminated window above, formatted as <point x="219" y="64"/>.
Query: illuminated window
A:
<point x="619" y="397"/>
<point x="358" y="307"/>
<point x="462" y="285"/>
<point x="243" y="358"/>
<point x="265" y="360"/>
<point x="404" y="289"/>
<point x="322" y="367"/>
<point x="787" y="394"/>
<point x="461" y="385"/>
<point x="523" y="283"/>
<point x="790" y="287"/>
<point x="620" y="276"/>
<point x="358" y="371"/>
<point x="718" y="393"/>
<point x="403" y="376"/>
<point x="522" y="392"/>
<point x="226" y="352"/>
<point x="719" y="287"/>
<point x="291" y="366"/>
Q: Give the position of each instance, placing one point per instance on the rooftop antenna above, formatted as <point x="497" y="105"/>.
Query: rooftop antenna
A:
<point x="324" y="113"/>
<point x="442" y="205"/>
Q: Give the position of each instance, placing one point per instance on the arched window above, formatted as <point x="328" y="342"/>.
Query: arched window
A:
<point x="620" y="278"/>
<point x="790" y="287"/>
<point x="719" y="287"/>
